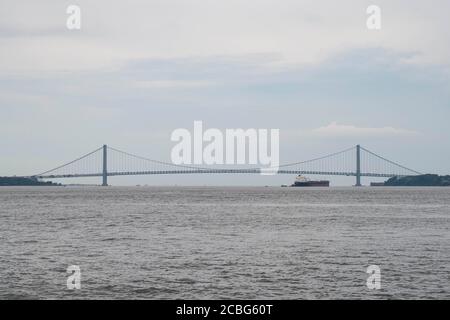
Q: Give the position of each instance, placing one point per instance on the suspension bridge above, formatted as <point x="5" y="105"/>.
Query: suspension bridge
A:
<point x="106" y="161"/>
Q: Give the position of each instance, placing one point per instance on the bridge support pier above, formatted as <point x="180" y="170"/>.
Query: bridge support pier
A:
<point x="358" y="166"/>
<point x="105" y="166"/>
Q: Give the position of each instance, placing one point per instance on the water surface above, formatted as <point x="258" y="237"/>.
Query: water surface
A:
<point x="231" y="243"/>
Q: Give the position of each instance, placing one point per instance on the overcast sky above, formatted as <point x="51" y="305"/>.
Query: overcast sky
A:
<point x="137" y="70"/>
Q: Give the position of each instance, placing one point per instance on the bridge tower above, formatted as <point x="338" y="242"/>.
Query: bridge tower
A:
<point x="358" y="166"/>
<point x="105" y="165"/>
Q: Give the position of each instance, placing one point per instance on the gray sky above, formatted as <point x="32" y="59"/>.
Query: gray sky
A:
<point x="137" y="70"/>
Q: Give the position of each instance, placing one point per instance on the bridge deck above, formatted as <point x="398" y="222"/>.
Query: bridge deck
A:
<point x="217" y="171"/>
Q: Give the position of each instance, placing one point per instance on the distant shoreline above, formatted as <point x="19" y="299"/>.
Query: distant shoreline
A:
<point x="22" y="181"/>
<point x="425" y="180"/>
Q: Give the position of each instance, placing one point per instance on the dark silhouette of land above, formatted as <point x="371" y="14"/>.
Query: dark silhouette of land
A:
<point x="426" y="180"/>
<point x="21" y="181"/>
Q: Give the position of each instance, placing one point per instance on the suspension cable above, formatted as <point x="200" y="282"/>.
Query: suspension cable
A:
<point x="156" y="161"/>
<point x="391" y="162"/>
<point x="78" y="159"/>
<point x="317" y="159"/>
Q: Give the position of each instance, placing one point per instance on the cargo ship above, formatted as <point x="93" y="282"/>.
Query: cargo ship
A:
<point x="301" y="181"/>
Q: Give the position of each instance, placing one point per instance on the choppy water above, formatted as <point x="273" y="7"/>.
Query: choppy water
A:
<point x="241" y="243"/>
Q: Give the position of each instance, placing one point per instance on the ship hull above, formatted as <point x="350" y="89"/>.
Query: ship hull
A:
<point x="311" y="184"/>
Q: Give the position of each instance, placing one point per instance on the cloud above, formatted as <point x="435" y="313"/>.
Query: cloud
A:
<point x="168" y="84"/>
<point x="34" y="37"/>
<point x="334" y="129"/>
